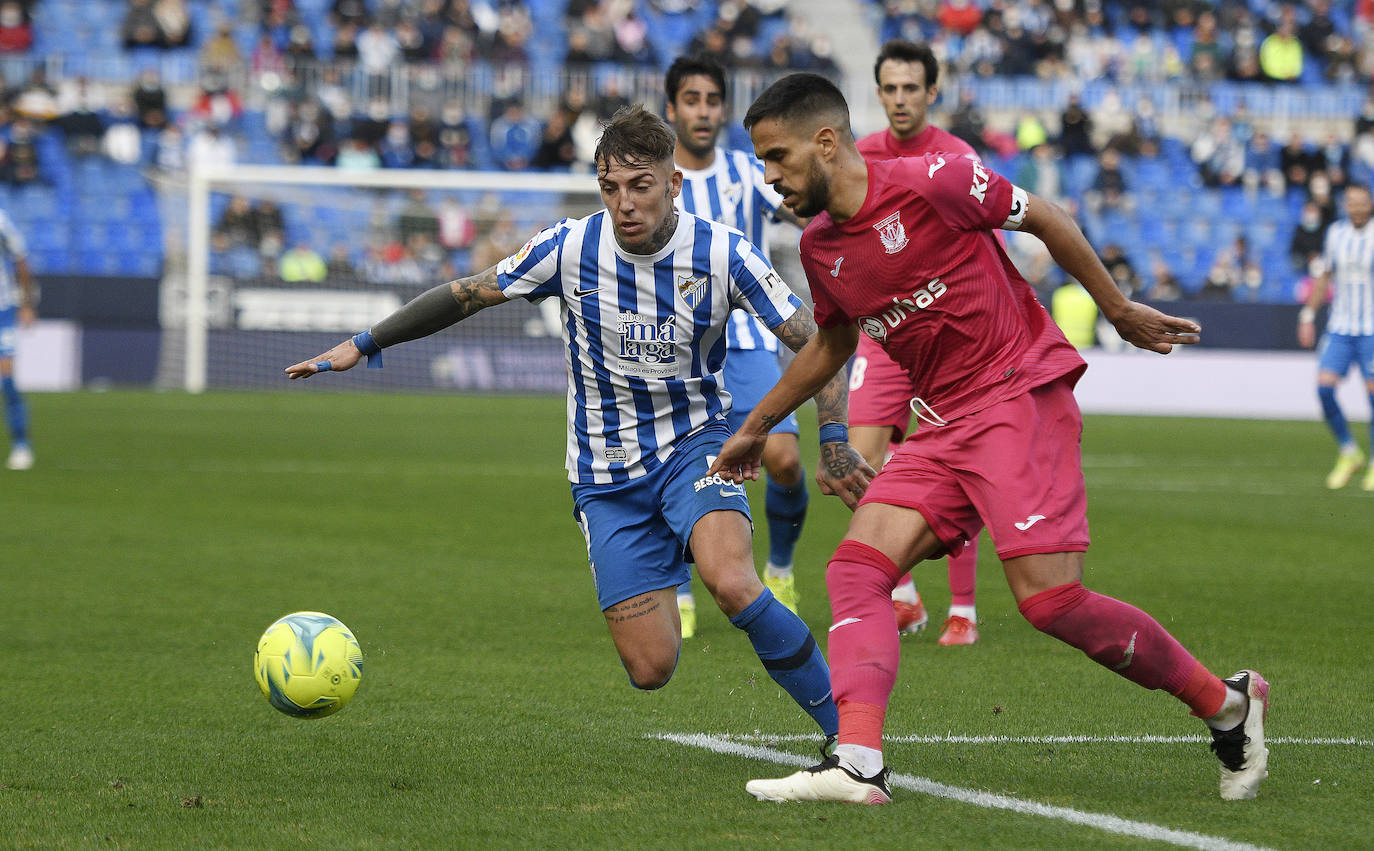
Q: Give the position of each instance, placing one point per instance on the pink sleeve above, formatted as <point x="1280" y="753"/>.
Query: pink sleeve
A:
<point x="964" y="192"/>
<point x="827" y="313"/>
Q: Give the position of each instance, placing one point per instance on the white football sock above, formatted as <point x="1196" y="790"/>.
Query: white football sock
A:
<point x="1232" y="711"/>
<point x="968" y="613"/>
<point x="863" y="761"/>
<point x="777" y="571"/>
<point x="906" y="592"/>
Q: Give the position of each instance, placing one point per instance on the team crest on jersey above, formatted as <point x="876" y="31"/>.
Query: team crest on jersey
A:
<point x="874" y="327"/>
<point x="692" y="289"/>
<point x="648" y="348"/>
<point x="891" y="232"/>
<point x="731" y="193"/>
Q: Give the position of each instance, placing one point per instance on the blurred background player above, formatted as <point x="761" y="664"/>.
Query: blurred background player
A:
<point x="646" y="411"/>
<point x="16" y="310"/>
<point x="1348" y="265"/>
<point x="880" y="391"/>
<point x="727" y="187"/>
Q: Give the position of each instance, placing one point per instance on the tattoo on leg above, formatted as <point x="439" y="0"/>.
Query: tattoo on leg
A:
<point x="631" y="609"/>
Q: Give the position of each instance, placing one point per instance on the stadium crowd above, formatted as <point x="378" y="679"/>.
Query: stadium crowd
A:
<point x="316" y="82"/>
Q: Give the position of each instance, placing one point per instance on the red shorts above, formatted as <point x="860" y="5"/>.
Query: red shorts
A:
<point x="1015" y="467"/>
<point x="879" y="390"/>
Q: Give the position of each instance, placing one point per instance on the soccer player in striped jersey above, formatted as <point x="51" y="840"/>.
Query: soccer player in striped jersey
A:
<point x="645" y="295"/>
<point x="924" y="275"/>
<point x="16" y="309"/>
<point x="727" y="187"/>
<point x="880" y="391"/>
<point x="1348" y="266"/>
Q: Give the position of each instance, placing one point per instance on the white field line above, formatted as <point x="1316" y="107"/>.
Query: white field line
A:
<point x="1107" y="823"/>
<point x="952" y="739"/>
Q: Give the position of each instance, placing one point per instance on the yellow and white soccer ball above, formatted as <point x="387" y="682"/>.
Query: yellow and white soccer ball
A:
<point x="308" y="664"/>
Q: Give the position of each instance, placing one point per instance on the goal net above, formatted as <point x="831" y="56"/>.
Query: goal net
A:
<point x="285" y="261"/>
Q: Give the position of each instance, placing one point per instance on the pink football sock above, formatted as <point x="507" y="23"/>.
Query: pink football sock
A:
<point x="1126" y="640"/>
<point x="963" y="574"/>
<point x="863" y="642"/>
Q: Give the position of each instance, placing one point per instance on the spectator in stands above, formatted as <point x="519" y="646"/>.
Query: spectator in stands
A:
<point x="173" y="21"/>
<point x="309" y="136"/>
<point x="1319" y="192"/>
<point x="141" y="28"/>
<point x="557" y="151"/>
<point x="348" y="12"/>
<point x="1041" y="175"/>
<point x="455" y="137"/>
<point x="1281" y="54"/>
<point x="959" y="16"/>
<point x="1298" y="162"/>
<point x="79" y="105"/>
<point x="299" y="53"/>
<point x="122" y="142"/>
<point x="424" y="136"/>
<point x="1262" y="165"/>
<point x="36" y="100"/>
<point x="1120" y="267"/>
<point x="396" y="150"/>
<point x="1075" y="128"/>
<point x="1165" y="286"/>
<point x="20" y="165"/>
<point x="377" y="50"/>
<point x="302" y="264"/>
<point x="345" y="46"/>
<point x="339" y="267"/>
<point x="1030" y="132"/>
<point x="968" y="122"/>
<point x="1234" y="274"/>
<point x="150" y="100"/>
<point x="1109" y="191"/>
<point x="16" y="33"/>
<point x="1207" y="61"/>
<point x="357" y="155"/>
<point x="217" y="103"/>
<point x="417" y="217"/>
<point x="1309" y="238"/>
<point x="210" y="147"/>
<point x="220" y="53"/>
<point x="1218" y="155"/>
<point x="514" y="137"/>
<point x="169" y="148"/>
<point x="1335" y="160"/>
<point x="237" y="226"/>
<point x="1317" y="34"/>
<point x="457" y="230"/>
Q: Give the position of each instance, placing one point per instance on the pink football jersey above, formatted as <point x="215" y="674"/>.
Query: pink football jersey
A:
<point x="919" y="270"/>
<point x="884" y="146"/>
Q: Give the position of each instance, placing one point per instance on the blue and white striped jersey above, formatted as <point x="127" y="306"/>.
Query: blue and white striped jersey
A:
<point x="1349" y="257"/>
<point x="643" y="336"/>
<point x="731" y="191"/>
<point x="11" y="249"/>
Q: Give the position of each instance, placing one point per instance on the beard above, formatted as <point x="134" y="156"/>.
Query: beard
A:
<point x="816" y="197"/>
<point x="689" y="141"/>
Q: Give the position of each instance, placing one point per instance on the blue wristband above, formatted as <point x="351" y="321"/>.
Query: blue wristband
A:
<point x="834" y="433"/>
<point x="323" y="366"/>
<point x="369" y="347"/>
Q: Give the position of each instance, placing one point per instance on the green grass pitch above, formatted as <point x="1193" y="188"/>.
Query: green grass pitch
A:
<point x="161" y="533"/>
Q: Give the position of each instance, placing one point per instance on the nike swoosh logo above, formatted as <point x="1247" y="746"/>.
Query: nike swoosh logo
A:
<point x="845" y="622"/>
<point x="819" y="702"/>
<point x="578" y="292"/>
<point x="728" y="492"/>
<point x="835" y="273"/>
<point x="1128" y="655"/>
<point x="1030" y="521"/>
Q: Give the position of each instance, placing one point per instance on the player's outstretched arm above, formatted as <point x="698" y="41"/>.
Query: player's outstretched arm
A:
<point x="1138" y="324"/>
<point x="1307" y="317"/>
<point x="429" y="312"/>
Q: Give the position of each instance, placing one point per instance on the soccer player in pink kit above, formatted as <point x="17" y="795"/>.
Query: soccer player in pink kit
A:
<point x="880" y="391"/>
<point x="921" y="272"/>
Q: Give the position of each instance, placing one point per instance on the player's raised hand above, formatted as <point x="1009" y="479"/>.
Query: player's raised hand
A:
<point x="843" y="472"/>
<point x="343" y="356"/>
<point x="1146" y="328"/>
<point x="740" y="459"/>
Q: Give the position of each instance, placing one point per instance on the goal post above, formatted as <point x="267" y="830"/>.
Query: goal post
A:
<point x="258" y="238"/>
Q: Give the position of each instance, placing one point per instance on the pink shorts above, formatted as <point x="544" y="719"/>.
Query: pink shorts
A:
<point x="1015" y="467"/>
<point x="879" y="390"/>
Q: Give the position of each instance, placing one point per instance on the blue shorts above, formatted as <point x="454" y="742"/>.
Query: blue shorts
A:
<point x="638" y="532"/>
<point x="749" y="374"/>
<point x="9" y="331"/>
<point x="1337" y="352"/>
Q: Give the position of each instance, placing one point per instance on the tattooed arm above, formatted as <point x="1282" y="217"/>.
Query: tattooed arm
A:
<point x="817" y="371"/>
<point x="429" y="312"/>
